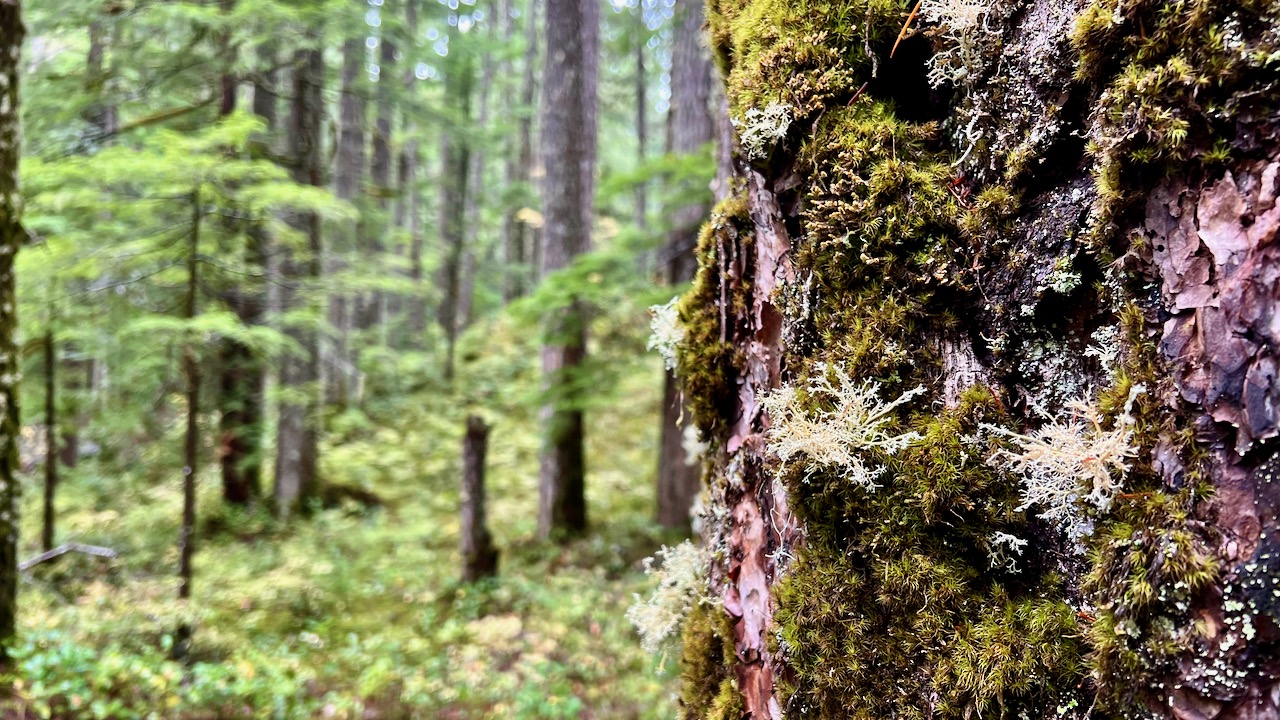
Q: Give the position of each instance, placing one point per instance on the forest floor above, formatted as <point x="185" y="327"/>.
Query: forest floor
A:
<point x="355" y="612"/>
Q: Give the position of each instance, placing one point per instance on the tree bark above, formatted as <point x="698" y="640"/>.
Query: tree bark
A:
<point x="371" y="314"/>
<point x="348" y="184"/>
<point x="642" y="114"/>
<point x="479" y="556"/>
<point x="993" y="209"/>
<point x="295" y="480"/>
<point x="12" y="236"/>
<point x="568" y="155"/>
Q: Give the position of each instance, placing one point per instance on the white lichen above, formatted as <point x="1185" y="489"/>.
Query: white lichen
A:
<point x="1070" y="460"/>
<point x="963" y="27"/>
<point x="760" y="130"/>
<point x="666" y="331"/>
<point x="692" y="444"/>
<point x="1004" y="551"/>
<point x="857" y="420"/>
<point x="1105" y="347"/>
<point x="681" y="573"/>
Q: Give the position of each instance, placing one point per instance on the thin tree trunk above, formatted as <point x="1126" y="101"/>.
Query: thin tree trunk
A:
<point x="456" y="152"/>
<point x="528" y="239"/>
<point x="475" y="197"/>
<point x="295" y="481"/>
<point x="568" y="148"/>
<point x="479" y="556"/>
<point x="12" y="237"/>
<point x="642" y="119"/>
<point x="191" y="443"/>
<point x="371" y="314"/>
<point x="691" y="129"/>
<point x="50" y="436"/>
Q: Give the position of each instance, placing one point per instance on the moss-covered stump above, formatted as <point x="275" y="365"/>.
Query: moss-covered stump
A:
<point x="985" y="350"/>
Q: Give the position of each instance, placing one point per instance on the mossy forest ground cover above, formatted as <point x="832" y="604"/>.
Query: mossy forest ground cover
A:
<point x="355" y="612"/>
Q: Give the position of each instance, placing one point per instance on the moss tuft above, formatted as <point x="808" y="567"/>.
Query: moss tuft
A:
<point x="895" y="607"/>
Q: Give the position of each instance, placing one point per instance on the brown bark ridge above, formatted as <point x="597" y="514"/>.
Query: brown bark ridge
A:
<point x="11" y="238"/>
<point x="479" y="556"/>
<point x="691" y="128"/>
<point x="1038" y="213"/>
<point x="295" y="475"/>
<point x="568" y="157"/>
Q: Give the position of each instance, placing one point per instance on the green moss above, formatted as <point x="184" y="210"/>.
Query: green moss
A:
<point x="707" y="688"/>
<point x="1170" y="75"/>
<point x="894" y="608"/>
<point x="1148" y="564"/>
<point x="707" y="357"/>
<point x="805" y="53"/>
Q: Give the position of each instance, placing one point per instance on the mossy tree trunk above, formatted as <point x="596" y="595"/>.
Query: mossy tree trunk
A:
<point x="12" y="235"/>
<point x="1059" y="221"/>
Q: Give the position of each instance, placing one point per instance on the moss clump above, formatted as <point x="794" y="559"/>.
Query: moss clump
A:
<point x="1148" y="566"/>
<point x="1171" y="76"/>
<point x="707" y="359"/>
<point x="805" y="54"/>
<point x="707" y="687"/>
<point x="895" y="607"/>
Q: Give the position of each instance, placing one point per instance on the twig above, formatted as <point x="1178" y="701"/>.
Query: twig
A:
<point x="905" y="26"/>
<point x="61" y="550"/>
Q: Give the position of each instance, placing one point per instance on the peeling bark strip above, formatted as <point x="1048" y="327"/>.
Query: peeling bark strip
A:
<point x="1219" y="264"/>
<point x="761" y="524"/>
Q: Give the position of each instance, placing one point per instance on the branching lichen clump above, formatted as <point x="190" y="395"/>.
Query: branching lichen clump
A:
<point x="1071" y="459"/>
<point x="681" y="578"/>
<point x="850" y="420"/>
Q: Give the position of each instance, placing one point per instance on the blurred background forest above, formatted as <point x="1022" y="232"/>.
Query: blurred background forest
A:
<point x="283" y="255"/>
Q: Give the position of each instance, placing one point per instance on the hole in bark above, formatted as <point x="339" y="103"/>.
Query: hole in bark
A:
<point x="905" y="79"/>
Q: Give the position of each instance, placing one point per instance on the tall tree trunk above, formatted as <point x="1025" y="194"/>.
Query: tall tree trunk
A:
<point x="240" y="396"/>
<point x="47" y="533"/>
<point x="691" y="129"/>
<point x="191" y="441"/>
<point x="459" y="84"/>
<point x="12" y="236"/>
<point x="475" y="200"/>
<point x="348" y="184"/>
<point x="992" y="410"/>
<point x="371" y="314"/>
<point x="568" y="155"/>
<point x="642" y="116"/>
<point x="518" y="236"/>
<point x="479" y="556"/>
<point x="295" y="480"/>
